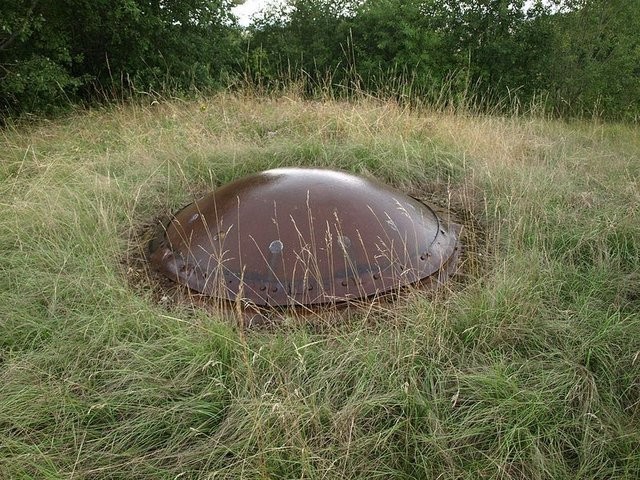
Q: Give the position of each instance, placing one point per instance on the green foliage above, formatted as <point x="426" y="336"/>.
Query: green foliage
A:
<point x="38" y="84"/>
<point x="300" y="39"/>
<point x="571" y="57"/>
<point x="596" y="66"/>
<point x="56" y="52"/>
<point x="498" y="42"/>
<point x="581" y="57"/>
<point x="35" y="60"/>
<point x="388" y="38"/>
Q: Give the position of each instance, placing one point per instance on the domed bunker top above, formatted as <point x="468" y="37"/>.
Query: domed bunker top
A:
<point x="296" y="236"/>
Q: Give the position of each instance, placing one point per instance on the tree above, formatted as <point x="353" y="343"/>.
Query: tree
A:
<point x="391" y="38"/>
<point x="596" y="62"/>
<point x="412" y="47"/>
<point x="305" y="38"/>
<point x="54" y="51"/>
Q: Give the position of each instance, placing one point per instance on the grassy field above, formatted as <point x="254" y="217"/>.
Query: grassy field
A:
<point x="526" y="367"/>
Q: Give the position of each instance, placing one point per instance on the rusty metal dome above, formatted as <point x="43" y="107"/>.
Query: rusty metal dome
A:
<point x="297" y="236"/>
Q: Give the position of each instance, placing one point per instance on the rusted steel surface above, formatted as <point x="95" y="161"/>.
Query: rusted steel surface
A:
<point x="299" y="236"/>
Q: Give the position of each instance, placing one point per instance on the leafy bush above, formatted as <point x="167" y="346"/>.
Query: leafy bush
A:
<point x="55" y="52"/>
<point x="581" y="56"/>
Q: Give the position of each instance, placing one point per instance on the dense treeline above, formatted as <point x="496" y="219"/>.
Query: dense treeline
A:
<point x="572" y="57"/>
<point x="53" y="53"/>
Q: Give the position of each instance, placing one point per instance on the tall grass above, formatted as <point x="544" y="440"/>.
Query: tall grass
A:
<point x="454" y="92"/>
<point x="527" y="366"/>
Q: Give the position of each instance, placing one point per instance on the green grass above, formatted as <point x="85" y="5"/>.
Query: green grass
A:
<point x="527" y="367"/>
